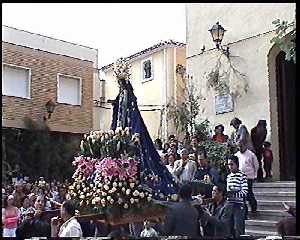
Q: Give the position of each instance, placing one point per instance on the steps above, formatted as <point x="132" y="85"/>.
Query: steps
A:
<point x="270" y="210"/>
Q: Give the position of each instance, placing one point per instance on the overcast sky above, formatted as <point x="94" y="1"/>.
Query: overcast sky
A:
<point x="115" y="29"/>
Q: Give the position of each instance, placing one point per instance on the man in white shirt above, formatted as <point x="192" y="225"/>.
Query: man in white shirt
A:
<point x="248" y="164"/>
<point x="69" y="227"/>
<point x="184" y="169"/>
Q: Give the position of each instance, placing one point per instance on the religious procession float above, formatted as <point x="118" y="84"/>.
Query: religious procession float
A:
<point x="119" y="177"/>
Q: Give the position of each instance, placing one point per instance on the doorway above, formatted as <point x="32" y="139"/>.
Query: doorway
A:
<point x="286" y="102"/>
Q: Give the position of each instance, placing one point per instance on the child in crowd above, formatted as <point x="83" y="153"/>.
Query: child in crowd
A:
<point x="148" y="230"/>
<point x="267" y="158"/>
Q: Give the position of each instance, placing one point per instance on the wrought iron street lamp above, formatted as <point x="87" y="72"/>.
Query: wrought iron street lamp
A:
<point x="217" y="33"/>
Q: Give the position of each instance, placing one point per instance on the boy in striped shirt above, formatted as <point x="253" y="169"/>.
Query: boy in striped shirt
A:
<point x="237" y="189"/>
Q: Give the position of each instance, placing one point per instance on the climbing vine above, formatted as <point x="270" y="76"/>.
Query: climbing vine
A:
<point x="286" y="44"/>
<point x="225" y="78"/>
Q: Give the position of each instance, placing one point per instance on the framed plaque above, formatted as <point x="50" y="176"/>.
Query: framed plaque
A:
<point x="223" y="104"/>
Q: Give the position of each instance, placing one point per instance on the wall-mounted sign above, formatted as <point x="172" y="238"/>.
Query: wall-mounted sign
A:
<point x="223" y="104"/>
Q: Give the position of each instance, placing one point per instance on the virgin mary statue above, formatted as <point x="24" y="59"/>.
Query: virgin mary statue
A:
<point x="126" y="114"/>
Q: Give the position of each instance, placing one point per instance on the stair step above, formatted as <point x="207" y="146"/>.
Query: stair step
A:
<point x="261" y="225"/>
<point x="279" y="196"/>
<point x="270" y="215"/>
<point x="272" y="205"/>
<point x="275" y="185"/>
<point x="261" y="233"/>
<point x="274" y="189"/>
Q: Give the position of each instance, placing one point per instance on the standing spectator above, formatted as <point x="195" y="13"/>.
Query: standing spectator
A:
<point x="258" y="136"/>
<point x="18" y="194"/>
<point x="10" y="217"/>
<point x="268" y="159"/>
<point x="237" y="190"/>
<point x="25" y="207"/>
<point x="241" y="133"/>
<point x="219" y="136"/>
<point x="34" y="225"/>
<point x="61" y="197"/>
<point x="182" y="217"/>
<point x="248" y="164"/>
<point x="164" y="158"/>
<point x="69" y="226"/>
<point x="204" y="169"/>
<point x="184" y="169"/>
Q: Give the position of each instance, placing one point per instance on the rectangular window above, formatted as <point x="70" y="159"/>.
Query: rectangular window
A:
<point x="147" y="70"/>
<point x="16" y="81"/>
<point x="68" y="89"/>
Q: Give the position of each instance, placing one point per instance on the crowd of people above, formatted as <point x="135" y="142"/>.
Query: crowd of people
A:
<point x="40" y="208"/>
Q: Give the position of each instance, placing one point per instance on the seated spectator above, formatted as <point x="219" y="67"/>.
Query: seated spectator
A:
<point x="216" y="220"/>
<point x="34" y="225"/>
<point x="204" y="169"/>
<point x="10" y="217"/>
<point x="219" y="136"/>
<point x="166" y="147"/>
<point x="184" y="169"/>
<point x="61" y="197"/>
<point x="171" y="161"/>
<point x="182" y="217"/>
<point x="148" y="230"/>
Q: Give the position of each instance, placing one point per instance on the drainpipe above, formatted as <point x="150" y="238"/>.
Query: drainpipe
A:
<point x="165" y="94"/>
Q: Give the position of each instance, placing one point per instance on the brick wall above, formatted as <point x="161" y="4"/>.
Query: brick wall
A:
<point x="44" y="69"/>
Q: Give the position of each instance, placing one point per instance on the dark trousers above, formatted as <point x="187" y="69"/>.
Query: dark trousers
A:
<point x="268" y="168"/>
<point x="250" y="197"/>
<point x="237" y="223"/>
<point x="258" y="153"/>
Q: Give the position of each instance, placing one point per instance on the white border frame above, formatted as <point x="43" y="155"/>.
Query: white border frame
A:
<point x="142" y="70"/>
<point x="80" y="86"/>
<point x="29" y="79"/>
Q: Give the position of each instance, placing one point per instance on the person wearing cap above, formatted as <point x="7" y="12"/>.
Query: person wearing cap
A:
<point x="184" y="169"/>
<point x="241" y="133"/>
<point x="10" y="217"/>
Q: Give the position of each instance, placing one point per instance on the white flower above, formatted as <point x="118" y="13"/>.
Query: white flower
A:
<point x="149" y="198"/>
<point x="93" y="201"/>
<point x="82" y="196"/>
<point x="81" y="203"/>
<point x="136" y="200"/>
<point x="174" y="197"/>
<point x="128" y="191"/>
<point x="131" y="200"/>
<point x="97" y="199"/>
<point x="111" y="201"/>
<point x="113" y="189"/>
<point x="120" y="184"/>
<point x="118" y="130"/>
<point x="98" y="190"/>
<point x="142" y="195"/>
<point x="110" y="191"/>
<point x="106" y="187"/>
<point x="131" y="185"/>
<point x="100" y="185"/>
<point x="125" y="205"/>
<point x="136" y="193"/>
<point x="104" y="194"/>
<point x="115" y="184"/>
<point x="123" y="189"/>
<point x="109" y="198"/>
